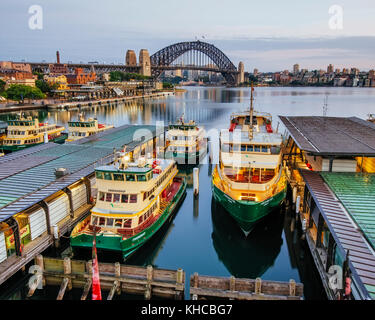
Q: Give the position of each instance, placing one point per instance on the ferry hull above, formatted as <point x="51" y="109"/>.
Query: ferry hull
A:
<point x="11" y="148"/>
<point x="247" y="213"/>
<point x="186" y="158"/>
<point x="128" y="246"/>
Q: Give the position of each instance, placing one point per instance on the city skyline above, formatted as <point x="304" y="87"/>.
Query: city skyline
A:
<point x="264" y="36"/>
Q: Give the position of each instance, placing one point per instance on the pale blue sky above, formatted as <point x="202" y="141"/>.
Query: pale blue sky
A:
<point x="270" y="35"/>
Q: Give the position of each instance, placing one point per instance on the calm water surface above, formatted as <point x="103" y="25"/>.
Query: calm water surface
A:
<point x="203" y="238"/>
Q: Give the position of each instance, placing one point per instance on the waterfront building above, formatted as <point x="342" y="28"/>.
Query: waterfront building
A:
<point x="14" y="76"/>
<point x="60" y="80"/>
<point x="330" y="68"/>
<point x="80" y="77"/>
<point x="296" y="69"/>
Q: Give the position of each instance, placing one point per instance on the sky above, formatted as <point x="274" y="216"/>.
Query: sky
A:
<point x="270" y="35"/>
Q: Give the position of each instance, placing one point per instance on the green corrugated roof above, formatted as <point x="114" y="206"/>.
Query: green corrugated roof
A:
<point x="356" y="191"/>
<point x="73" y="156"/>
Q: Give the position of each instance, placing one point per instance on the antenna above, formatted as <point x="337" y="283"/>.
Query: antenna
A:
<point x="251" y="112"/>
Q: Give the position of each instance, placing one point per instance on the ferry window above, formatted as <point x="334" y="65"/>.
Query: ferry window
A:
<point x="116" y="198"/>
<point x="250" y="148"/>
<point x="127" y="223"/>
<point x="257" y="148"/>
<point x="101" y="221"/>
<point x="94" y="221"/>
<point x="141" y="177"/>
<point x="225" y="147"/>
<point x="101" y="196"/>
<point x="140" y="220"/>
<point x="243" y="147"/>
<point x="118" y="223"/>
<point x="108" y="197"/>
<point x="99" y="175"/>
<point x="236" y="147"/>
<point x="133" y="198"/>
<point x="264" y="149"/>
<point x="124" y="198"/>
<point x="110" y="222"/>
<point x="118" y="177"/>
<point x="107" y="176"/>
<point x="130" y="177"/>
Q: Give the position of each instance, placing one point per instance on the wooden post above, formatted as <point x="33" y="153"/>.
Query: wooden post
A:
<point x="292" y="287"/>
<point x="232" y="283"/>
<point x="258" y="286"/>
<point x="118" y="275"/>
<point x="149" y="280"/>
<point x="63" y="286"/>
<point x="40" y="262"/>
<point x="113" y="290"/>
<point x="179" y="276"/>
<point x="86" y="289"/>
<point x="68" y="270"/>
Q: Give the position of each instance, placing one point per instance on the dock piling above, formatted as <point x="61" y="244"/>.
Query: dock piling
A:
<point x="196" y="181"/>
<point x="63" y="287"/>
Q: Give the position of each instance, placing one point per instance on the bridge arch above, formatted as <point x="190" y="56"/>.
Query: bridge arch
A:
<point x="167" y="55"/>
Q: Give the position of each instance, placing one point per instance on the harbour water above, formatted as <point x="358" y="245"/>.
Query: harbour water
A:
<point x="202" y="237"/>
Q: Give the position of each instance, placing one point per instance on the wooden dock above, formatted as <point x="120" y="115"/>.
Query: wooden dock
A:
<point x="114" y="277"/>
<point x="207" y="287"/>
<point x="149" y="282"/>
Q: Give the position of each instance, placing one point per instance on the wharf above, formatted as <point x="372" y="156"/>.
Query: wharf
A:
<point x="34" y="201"/>
<point x="330" y="164"/>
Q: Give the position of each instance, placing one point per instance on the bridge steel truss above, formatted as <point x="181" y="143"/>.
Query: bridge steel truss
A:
<point x="161" y="60"/>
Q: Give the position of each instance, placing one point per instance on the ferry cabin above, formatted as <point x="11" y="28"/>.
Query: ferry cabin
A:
<point x="129" y="199"/>
<point x="81" y="129"/>
<point x="23" y="133"/>
<point x="185" y="139"/>
<point x="262" y="122"/>
<point x="251" y="165"/>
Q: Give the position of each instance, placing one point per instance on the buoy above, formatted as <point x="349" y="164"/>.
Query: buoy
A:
<point x="298" y="201"/>
<point x="196" y="181"/>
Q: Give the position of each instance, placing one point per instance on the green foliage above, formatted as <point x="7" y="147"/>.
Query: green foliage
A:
<point x="45" y="87"/>
<point x="122" y="76"/>
<point x="39" y="74"/>
<point x="167" y="85"/>
<point x="2" y="87"/>
<point x="20" y="92"/>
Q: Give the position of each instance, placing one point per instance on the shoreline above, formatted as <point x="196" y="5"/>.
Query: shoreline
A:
<point x="78" y="104"/>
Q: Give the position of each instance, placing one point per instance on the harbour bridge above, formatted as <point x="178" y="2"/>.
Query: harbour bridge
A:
<point x="190" y="55"/>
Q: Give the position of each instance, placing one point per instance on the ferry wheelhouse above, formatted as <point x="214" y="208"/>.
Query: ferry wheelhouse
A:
<point x="134" y="201"/>
<point x="185" y="142"/>
<point x="85" y="128"/>
<point x="27" y="132"/>
<point x="249" y="181"/>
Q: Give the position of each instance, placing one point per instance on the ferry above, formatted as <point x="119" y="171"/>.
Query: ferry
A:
<point x="185" y="142"/>
<point x="249" y="181"/>
<point x="135" y="199"/>
<point x="85" y="128"/>
<point x="27" y="132"/>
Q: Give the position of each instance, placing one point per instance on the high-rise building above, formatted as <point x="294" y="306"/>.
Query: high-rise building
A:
<point x="371" y="74"/>
<point x="337" y="71"/>
<point x="330" y="68"/>
<point x="256" y="71"/>
<point x="296" y="69"/>
<point x="345" y="71"/>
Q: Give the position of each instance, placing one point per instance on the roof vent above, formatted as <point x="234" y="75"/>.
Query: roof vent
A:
<point x="60" y="172"/>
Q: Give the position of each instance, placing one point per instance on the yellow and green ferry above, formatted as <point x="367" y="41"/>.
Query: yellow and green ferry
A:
<point x="135" y="199"/>
<point x="185" y="142"/>
<point x="85" y="128"/>
<point x="249" y="181"/>
<point x="27" y="132"/>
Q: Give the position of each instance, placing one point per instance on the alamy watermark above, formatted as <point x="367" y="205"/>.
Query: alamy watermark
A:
<point x="336" y="21"/>
<point x="36" y="18"/>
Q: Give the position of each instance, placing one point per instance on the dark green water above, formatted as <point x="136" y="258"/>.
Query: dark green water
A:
<point x="203" y="238"/>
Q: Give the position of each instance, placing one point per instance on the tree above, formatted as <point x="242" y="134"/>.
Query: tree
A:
<point x="123" y="76"/>
<point x="45" y="87"/>
<point x="20" y="92"/>
<point x="2" y="87"/>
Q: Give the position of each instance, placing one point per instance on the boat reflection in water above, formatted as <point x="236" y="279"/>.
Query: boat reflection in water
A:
<point x="251" y="256"/>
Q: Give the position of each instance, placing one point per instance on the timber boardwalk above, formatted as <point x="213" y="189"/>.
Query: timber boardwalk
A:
<point x="38" y="203"/>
